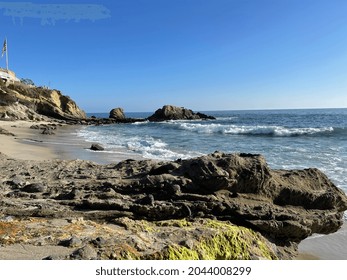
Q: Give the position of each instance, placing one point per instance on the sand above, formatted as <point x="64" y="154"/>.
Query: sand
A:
<point x="30" y="144"/>
<point x="20" y="146"/>
<point x="325" y="247"/>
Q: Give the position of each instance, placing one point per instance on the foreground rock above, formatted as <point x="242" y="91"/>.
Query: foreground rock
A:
<point x="169" y="112"/>
<point x="162" y="210"/>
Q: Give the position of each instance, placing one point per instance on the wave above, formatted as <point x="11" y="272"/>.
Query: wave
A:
<point x="145" y="146"/>
<point x="260" y="130"/>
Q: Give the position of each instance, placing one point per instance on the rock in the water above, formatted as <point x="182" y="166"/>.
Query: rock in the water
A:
<point x="97" y="147"/>
<point x="117" y="114"/>
<point x="169" y="112"/>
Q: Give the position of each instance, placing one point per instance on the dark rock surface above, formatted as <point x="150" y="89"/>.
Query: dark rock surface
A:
<point x="285" y="206"/>
<point x="169" y="112"/>
<point x="97" y="147"/>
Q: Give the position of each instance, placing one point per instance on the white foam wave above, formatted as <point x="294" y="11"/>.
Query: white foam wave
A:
<point x="141" y="123"/>
<point x="278" y="131"/>
<point x="146" y="146"/>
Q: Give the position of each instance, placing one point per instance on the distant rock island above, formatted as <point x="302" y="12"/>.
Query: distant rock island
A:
<point x="169" y="112"/>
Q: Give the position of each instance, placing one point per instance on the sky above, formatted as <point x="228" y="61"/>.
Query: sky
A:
<point x="200" y="54"/>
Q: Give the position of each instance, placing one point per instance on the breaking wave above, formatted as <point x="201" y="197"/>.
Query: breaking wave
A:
<point x="261" y="130"/>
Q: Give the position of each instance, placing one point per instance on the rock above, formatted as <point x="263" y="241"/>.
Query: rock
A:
<point x="34" y="188"/>
<point x="72" y="242"/>
<point x="193" y="196"/>
<point x="47" y="131"/>
<point x="117" y="114"/>
<point x="84" y="253"/>
<point x="6" y="132"/>
<point x="169" y="112"/>
<point x="16" y="181"/>
<point x="97" y="147"/>
<point x="36" y="103"/>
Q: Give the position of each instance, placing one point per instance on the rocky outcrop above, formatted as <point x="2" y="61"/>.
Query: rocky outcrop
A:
<point x="169" y="112"/>
<point x="284" y="206"/>
<point x="19" y="101"/>
<point x="117" y="114"/>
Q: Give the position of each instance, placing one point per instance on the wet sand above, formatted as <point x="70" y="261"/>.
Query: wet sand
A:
<point x="30" y="144"/>
<point x="325" y="247"/>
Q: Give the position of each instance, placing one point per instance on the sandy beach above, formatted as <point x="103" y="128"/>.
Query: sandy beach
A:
<point x="23" y="145"/>
<point x="30" y="144"/>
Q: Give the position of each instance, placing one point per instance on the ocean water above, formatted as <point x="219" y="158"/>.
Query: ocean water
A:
<point x="289" y="139"/>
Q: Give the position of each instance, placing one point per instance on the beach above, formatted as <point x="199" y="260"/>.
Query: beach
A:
<point x="30" y="144"/>
<point x="23" y="145"/>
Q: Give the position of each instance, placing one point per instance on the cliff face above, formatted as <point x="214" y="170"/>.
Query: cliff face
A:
<point x="19" y="101"/>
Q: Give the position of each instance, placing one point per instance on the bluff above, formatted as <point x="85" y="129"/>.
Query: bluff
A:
<point x="20" y="101"/>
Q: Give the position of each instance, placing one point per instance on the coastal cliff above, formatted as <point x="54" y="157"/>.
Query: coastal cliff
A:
<point x="22" y="102"/>
<point x="218" y="206"/>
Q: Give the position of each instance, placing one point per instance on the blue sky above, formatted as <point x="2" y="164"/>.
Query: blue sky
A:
<point x="201" y="54"/>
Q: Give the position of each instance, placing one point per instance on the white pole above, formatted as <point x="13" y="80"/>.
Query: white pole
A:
<point x="6" y="55"/>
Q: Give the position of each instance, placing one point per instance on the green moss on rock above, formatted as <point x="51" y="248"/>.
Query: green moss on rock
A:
<point x="228" y="242"/>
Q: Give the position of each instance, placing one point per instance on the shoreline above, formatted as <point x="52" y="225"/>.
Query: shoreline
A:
<point x="64" y="144"/>
<point x="30" y="144"/>
<point x="325" y="247"/>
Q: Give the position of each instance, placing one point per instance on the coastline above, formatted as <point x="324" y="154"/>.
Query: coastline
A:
<point x="30" y="144"/>
<point x="64" y="144"/>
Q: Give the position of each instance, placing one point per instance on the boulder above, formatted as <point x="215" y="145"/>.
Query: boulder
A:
<point x="97" y="147"/>
<point x="117" y="114"/>
<point x="169" y="112"/>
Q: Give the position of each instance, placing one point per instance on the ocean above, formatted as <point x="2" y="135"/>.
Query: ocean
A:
<point x="289" y="139"/>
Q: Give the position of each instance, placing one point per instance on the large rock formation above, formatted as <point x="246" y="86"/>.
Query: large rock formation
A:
<point x="171" y="209"/>
<point x="19" y="101"/>
<point x="169" y="112"/>
<point x="117" y="114"/>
